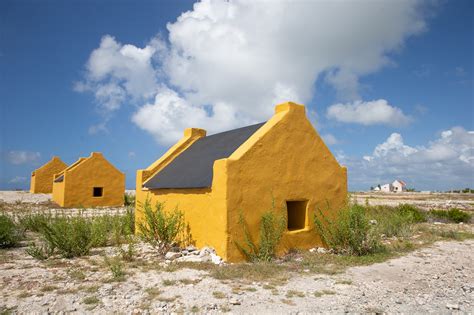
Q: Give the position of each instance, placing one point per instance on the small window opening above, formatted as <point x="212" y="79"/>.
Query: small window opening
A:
<point x="97" y="191"/>
<point x="296" y="214"/>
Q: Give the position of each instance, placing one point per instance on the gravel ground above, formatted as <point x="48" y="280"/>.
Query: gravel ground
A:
<point x="438" y="279"/>
<point x="10" y="196"/>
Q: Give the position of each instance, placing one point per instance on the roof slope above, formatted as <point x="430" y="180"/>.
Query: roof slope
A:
<point x="193" y="167"/>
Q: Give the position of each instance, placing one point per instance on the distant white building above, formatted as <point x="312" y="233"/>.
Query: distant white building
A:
<point x="399" y="186"/>
<point x="386" y="188"/>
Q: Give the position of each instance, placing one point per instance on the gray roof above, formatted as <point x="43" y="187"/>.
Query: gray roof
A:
<point x="59" y="179"/>
<point x="193" y="167"/>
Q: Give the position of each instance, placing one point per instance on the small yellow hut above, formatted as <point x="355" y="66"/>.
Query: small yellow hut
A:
<point x="42" y="178"/>
<point x="213" y="179"/>
<point x="89" y="182"/>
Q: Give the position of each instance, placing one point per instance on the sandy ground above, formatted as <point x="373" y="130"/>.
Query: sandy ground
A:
<point x="426" y="201"/>
<point x="437" y="279"/>
<point x="10" y="196"/>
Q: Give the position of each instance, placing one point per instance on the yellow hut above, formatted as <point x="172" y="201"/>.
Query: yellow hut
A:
<point x="214" y="179"/>
<point x="42" y="178"/>
<point x="89" y="182"/>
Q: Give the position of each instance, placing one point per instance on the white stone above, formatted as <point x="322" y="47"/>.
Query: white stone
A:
<point x="172" y="255"/>
<point x="215" y="259"/>
<point x="234" y="301"/>
<point x="322" y="250"/>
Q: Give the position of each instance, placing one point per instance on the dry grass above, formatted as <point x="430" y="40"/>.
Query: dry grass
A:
<point x="324" y="292"/>
<point x="218" y="294"/>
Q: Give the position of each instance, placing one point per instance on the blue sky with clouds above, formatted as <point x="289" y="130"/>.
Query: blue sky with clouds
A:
<point x="388" y="85"/>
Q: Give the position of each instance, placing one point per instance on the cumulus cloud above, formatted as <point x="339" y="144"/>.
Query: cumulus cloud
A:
<point x="169" y="114"/>
<point x="447" y="162"/>
<point x="117" y="72"/>
<point x="22" y="157"/>
<point x="227" y="63"/>
<point x="375" y="112"/>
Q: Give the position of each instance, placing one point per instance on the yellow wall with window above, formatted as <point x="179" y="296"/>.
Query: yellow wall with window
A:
<point x="285" y="160"/>
<point x="86" y="176"/>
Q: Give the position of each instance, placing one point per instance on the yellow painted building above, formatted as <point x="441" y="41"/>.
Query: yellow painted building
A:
<point x="213" y="179"/>
<point x="42" y="178"/>
<point x="89" y="182"/>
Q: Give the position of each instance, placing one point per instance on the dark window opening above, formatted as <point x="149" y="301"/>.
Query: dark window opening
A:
<point x="98" y="191"/>
<point x="296" y="214"/>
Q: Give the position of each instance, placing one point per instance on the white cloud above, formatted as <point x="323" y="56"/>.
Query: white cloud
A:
<point x="368" y="113"/>
<point x="240" y="58"/>
<point x="98" y="128"/>
<point x="447" y="162"/>
<point x="169" y="114"/>
<point x="22" y="157"/>
<point x="17" y="180"/>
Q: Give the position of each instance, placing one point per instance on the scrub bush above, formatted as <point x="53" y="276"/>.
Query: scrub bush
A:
<point x="76" y="235"/>
<point x="40" y="253"/>
<point x="162" y="229"/>
<point x="453" y="215"/>
<point x="116" y="268"/>
<point x="349" y="232"/>
<point x="10" y="234"/>
<point x="69" y="237"/>
<point x="34" y="221"/>
<point x="272" y="228"/>
<point x="414" y="214"/>
<point x="129" y="199"/>
<point x="396" y="221"/>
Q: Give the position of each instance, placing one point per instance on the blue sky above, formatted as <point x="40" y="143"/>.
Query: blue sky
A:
<point x="391" y="95"/>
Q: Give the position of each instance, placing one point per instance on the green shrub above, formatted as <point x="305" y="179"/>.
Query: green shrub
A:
<point x="40" y="253"/>
<point x="453" y="215"/>
<point x="129" y="199"/>
<point x="396" y="221"/>
<point x="116" y="268"/>
<point x="70" y="237"/>
<point x="127" y="253"/>
<point x="34" y="221"/>
<point x="75" y="236"/>
<point x="160" y="228"/>
<point x="414" y="214"/>
<point x="109" y="229"/>
<point x="349" y="232"/>
<point x="10" y="234"/>
<point x="272" y="228"/>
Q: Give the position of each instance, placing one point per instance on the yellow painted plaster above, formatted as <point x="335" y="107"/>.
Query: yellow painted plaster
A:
<point x="285" y="160"/>
<point x="42" y="178"/>
<point x="76" y="189"/>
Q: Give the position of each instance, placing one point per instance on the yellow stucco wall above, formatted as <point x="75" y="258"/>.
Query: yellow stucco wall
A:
<point x="42" y="178"/>
<point x="76" y="190"/>
<point x="204" y="209"/>
<point x="284" y="160"/>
